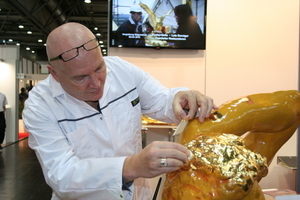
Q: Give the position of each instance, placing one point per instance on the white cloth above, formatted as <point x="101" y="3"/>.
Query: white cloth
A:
<point x="82" y="150"/>
<point x="3" y="101"/>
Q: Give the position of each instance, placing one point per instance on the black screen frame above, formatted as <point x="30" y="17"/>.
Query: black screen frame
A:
<point x="112" y="33"/>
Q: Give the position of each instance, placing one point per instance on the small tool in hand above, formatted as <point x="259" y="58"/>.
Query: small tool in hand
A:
<point x="180" y="128"/>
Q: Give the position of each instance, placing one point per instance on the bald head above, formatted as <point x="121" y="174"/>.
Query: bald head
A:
<point x="83" y="75"/>
<point x="65" y="37"/>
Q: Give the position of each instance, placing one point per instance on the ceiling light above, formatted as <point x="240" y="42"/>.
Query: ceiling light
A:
<point x="27" y="48"/>
<point x="18" y="44"/>
<point x="98" y="34"/>
<point x="10" y="40"/>
<point x="40" y="40"/>
<point x="87" y="1"/>
<point x="29" y="32"/>
<point x="96" y="28"/>
<point x="21" y="26"/>
<point x="32" y="51"/>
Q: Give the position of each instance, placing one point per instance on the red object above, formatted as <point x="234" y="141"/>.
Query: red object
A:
<point x="23" y="135"/>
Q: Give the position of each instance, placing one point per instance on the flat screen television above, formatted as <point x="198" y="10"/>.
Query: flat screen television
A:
<point x="174" y="24"/>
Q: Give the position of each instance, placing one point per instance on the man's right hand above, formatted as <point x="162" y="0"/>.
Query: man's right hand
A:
<point x="147" y="163"/>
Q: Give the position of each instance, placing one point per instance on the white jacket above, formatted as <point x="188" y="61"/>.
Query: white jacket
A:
<point x="82" y="150"/>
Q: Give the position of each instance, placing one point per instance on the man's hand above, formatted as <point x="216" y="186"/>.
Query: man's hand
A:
<point x="192" y="100"/>
<point x="147" y="163"/>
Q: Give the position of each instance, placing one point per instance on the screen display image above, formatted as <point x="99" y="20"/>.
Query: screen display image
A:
<point x="158" y="23"/>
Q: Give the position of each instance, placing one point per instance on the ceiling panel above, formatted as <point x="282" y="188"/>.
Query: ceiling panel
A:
<point x="42" y="16"/>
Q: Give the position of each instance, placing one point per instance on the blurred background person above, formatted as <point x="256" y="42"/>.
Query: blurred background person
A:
<point x="3" y="103"/>
<point x="187" y="25"/>
<point x="133" y="25"/>
<point x="22" y="97"/>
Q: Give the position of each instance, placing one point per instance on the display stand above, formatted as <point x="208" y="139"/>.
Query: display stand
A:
<point x="289" y="162"/>
<point x="170" y="129"/>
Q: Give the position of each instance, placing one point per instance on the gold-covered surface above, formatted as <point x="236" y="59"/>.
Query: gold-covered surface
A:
<point x="150" y="121"/>
<point x="227" y="157"/>
<point x="232" y="150"/>
<point x="221" y="168"/>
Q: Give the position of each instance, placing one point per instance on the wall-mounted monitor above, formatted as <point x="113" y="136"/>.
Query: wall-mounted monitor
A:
<point x="174" y="24"/>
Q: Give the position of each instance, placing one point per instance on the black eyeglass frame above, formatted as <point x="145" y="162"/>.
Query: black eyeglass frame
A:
<point x="65" y="60"/>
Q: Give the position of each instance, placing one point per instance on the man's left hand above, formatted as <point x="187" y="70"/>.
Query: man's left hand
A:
<point x="192" y="100"/>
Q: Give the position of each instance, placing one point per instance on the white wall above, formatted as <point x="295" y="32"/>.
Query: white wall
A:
<point x="172" y="67"/>
<point x="8" y="86"/>
<point x="252" y="47"/>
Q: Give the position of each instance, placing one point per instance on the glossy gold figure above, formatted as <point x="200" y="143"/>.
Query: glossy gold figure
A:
<point x="232" y="151"/>
<point x="156" y="22"/>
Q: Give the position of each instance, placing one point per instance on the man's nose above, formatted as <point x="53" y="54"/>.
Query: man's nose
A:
<point x="94" y="80"/>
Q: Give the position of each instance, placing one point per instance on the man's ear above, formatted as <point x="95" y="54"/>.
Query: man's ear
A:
<point x="53" y="72"/>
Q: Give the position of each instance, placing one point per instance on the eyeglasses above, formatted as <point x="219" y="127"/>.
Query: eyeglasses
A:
<point x="73" y="53"/>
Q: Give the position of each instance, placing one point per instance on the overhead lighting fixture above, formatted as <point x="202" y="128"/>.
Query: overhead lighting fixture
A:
<point x="21" y="26"/>
<point x="18" y="44"/>
<point x="40" y="40"/>
<point x="87" y="1"/>
<point x="96" y="28"/>
<point x="10" y="40"/>
<point x="32" y="51"/>
<point x="29" y="32"/>
<point x="27" y="48"/>
<point x="98" y="34"/>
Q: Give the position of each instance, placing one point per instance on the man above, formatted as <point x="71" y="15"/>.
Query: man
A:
<point x="3" y="103"/>
<point x="22" y="98"/>
<point x="132" y="25"/>
<point x="84" y="121"/>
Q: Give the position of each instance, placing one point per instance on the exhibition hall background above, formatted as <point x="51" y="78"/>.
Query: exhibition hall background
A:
<point x="252" y="47"/>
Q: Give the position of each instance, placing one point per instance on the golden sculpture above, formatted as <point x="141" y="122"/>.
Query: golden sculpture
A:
<point x="232" y="151"/>
<point x="157" y="24"/>
<point x="146" y="120"/>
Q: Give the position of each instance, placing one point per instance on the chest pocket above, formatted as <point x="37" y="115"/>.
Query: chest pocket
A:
<point x="81" y="143"/>
<point x="128" y="121"/>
